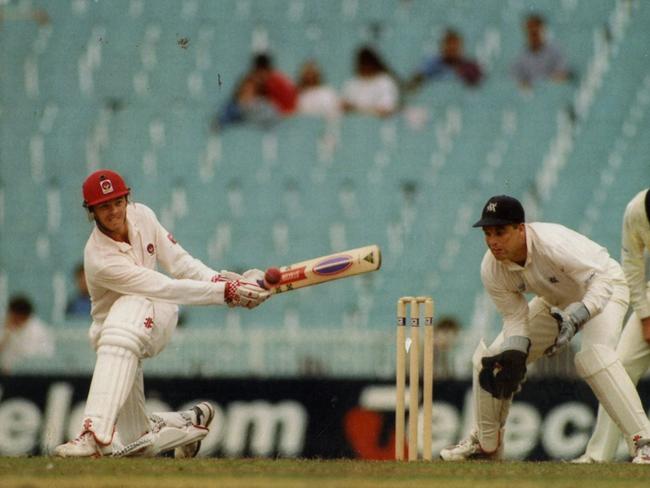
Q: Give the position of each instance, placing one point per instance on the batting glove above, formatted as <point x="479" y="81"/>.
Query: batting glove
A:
<point x="239" y="293"/>
<point x="569" y="321"/>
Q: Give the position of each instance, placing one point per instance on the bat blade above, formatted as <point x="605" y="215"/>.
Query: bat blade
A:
<point x="328" y="268"/>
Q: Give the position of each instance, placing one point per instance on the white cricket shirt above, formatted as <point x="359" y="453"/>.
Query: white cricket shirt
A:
<point x="635" y="240"/>
<point x="561" y="267"/>
<point x="114" y="269"/>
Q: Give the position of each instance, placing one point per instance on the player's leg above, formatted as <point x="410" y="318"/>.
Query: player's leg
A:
<point x="178" y="431"/>
<point x="133" y="422"/>
<point x="599" y="365"/>
<point x="127" y="335"/>
<point x="634" y="354"/>
<point x="486" y="440"/>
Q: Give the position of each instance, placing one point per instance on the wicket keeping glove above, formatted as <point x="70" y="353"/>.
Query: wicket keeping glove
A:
<point x="503" y="374"/>
<point x="240" y="293"/>
<point x="569" y="322"/>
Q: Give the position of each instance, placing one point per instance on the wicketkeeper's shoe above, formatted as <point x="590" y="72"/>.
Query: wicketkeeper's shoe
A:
<point x="202" y="415"/>
<point x="469" y="450"/>
<point x="83" y="446"/>
<point x="642" y="455"/>
<point x="585" y="459"/>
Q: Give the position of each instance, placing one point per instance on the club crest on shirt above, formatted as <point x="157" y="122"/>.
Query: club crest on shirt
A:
<point x="148" y="323"/>
<point x="151" y="249"/>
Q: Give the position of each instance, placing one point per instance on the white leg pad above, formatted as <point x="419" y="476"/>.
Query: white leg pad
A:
<point x="164" y="437"/>
<point x="122" y="340"/>
<point x="604" y="441"/>
<point x="111" y="384"/>
<point x="133" y="422"/>
<point x="490" y="413"/>
<point x="600" y="367"/>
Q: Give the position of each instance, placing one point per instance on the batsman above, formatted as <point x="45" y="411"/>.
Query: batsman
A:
<point x="134" y="313"/>
<point x="578" y="287"/>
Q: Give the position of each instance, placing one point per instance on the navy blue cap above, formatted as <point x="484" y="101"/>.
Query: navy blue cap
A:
<point x="501" y="210"/>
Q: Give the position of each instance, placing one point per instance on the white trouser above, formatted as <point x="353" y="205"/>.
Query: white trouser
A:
<point x="602" y="331"/>
<point x="135" y="328"/>
<point x="634" y="353"/>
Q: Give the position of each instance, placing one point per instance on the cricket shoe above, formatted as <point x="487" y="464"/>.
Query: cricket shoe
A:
<point x="202" y="415"/>
<point x="83" y="446"/>
<point x="642" y="455"/>
<point x="469" y="450"/>
<point x="585" y="459"/>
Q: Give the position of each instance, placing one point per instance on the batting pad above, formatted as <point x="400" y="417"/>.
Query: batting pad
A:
<point x="602" y="370"/>
<point x="132" y="421"/>
<point x="164" y="436"/>
<point x="490" y="413"/>
<point x="112" y="381"/>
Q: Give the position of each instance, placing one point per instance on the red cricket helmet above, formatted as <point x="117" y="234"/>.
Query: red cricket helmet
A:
<point x="103" y="185"/>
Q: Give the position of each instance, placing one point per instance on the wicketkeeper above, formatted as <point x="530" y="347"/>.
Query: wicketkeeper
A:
<point x="578" y="288"/>
<point x="634" y="346"/>
<point x="134" y="312"/>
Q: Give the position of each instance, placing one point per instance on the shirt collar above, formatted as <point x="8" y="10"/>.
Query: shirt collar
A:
<point x="133" y="232"/>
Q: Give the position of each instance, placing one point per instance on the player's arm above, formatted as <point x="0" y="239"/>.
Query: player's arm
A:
<point x="174" y="259"/>
<point x="180" y="264"/>
<point x="503" y="373"/>
<point x="585" y="266"/>
<point x="124" y="277"/>
<point x="510" y="303"/>
<point x="633" y="261"/>
<point x="589" y="268"/>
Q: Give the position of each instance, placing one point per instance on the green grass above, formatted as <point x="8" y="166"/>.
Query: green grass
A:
<point x="165" y="472"/>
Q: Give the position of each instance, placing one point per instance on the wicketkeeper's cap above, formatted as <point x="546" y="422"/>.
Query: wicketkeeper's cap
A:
<point x="501" y="210"/>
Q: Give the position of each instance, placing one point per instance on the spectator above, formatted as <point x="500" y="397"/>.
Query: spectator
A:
<point x="541" y="60"/>
<point x="262" y="96"/>
<point x="314" y="97"/>
<point x="445" y="335"/>
<point x="274" y="85"/>
<point x="247" y="105"/>
<point x="450" y="62"/>
<point x="373" y="90"/>
<point x="23" y="12"/>
<point x="24" y="335"/>
<point x="79" y="305"/>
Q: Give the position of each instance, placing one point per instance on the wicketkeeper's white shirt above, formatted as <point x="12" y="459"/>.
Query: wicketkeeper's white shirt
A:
<point x="561" y="267"/>
<point x="635" y="241"/>
<point x="114" y="269"/>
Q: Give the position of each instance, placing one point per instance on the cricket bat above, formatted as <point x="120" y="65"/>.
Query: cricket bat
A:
<point x="322" y="269"/>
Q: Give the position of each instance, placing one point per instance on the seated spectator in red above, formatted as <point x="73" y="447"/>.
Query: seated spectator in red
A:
<point x="541" y="59"/>
<point x="273" y="84"/>
<point x="373" y="89"/>
<point x="261" y="97"/>
<point x="449" y="63"/>
<point x="314" y="96"/>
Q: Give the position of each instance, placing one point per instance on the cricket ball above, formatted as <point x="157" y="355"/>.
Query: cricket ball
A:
<point x="273" y="276"/>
